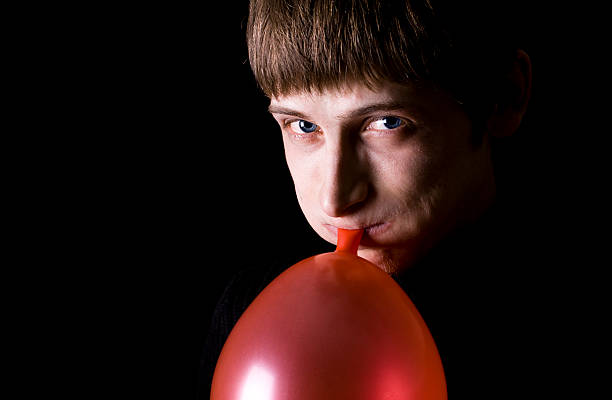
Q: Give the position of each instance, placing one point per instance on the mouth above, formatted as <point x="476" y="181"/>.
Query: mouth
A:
<point x="370" y="232"/>
<point x="376" y="228"/>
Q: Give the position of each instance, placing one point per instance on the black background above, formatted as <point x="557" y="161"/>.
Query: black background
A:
<point x="166" y="175"/>
<point x="170" y="177"/>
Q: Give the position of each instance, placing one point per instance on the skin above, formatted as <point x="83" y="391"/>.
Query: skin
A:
<point x="397" y="161"/>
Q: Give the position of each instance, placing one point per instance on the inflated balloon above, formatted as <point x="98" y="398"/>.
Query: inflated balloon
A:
<point x="333" y="326"/>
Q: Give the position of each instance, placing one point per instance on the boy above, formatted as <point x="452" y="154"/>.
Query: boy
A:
<point x="389" y="111"/>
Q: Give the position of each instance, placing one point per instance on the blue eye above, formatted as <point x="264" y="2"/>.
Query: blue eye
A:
<point x="307" y="127"/>
<point x="302" y="126"/>
<point x="386" y="123"/>
<point x="392" y="122"/>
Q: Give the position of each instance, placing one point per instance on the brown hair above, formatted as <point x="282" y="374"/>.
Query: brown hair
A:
<point x="312" y="45"/>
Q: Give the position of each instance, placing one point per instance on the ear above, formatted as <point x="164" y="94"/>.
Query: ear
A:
<point x="511" y="107"/>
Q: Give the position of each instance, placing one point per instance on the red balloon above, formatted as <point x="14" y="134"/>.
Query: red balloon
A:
<point x="333" y="326"/>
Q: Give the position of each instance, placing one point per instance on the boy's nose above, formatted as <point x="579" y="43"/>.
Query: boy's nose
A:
<point x="344" y="185"/>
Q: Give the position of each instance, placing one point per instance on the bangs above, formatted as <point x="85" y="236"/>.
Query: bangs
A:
<point x="296" y="46"/>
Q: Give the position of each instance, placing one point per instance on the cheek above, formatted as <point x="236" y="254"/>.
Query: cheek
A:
<point x="402" y="173"/>
<point x="306" y="189"/>
<point x="410" y="184"/>
<point x="304" y="180"/>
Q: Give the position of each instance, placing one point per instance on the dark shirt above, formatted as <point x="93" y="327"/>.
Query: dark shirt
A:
<point x="477" y="292"/>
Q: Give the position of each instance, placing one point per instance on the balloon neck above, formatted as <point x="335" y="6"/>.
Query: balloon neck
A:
<point x="348" y="240"/>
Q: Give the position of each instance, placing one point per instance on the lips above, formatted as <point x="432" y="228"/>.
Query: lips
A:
<point x="370" y="231"/>
<point x="376" y="228"/>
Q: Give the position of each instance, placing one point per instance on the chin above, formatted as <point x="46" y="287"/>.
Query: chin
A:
<point x="380" y="259"/>
<point x="392" y="261"/>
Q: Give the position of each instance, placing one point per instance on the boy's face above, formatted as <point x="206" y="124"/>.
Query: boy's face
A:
<point x="398" y="161"/>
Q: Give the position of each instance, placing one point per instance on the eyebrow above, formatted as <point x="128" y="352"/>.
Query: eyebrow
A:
<point x="286" y="111"/>
<point x="358" y="112"/>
